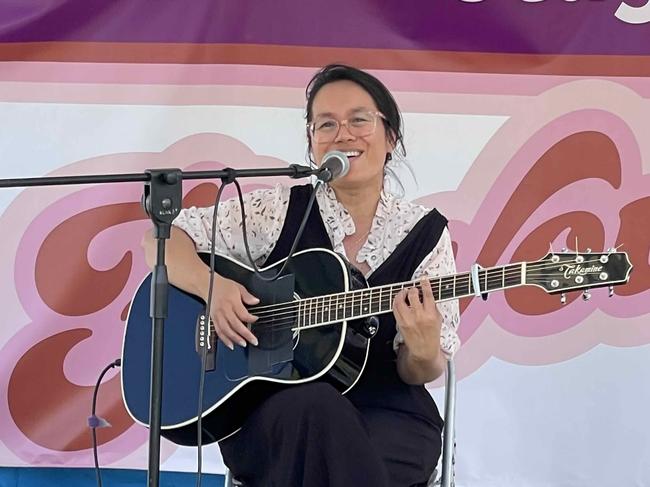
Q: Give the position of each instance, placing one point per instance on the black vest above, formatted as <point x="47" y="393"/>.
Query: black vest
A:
<point x="380" y="385"/>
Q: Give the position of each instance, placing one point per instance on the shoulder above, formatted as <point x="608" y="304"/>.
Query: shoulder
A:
<point x="268" y="194"/>
<point x="406" y="213"/>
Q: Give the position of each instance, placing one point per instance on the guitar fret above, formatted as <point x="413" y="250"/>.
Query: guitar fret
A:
<point x="299" y="315"/>
<point x="349" y="306"/>
<point x="463" y="285"/>
<point x="329" y="309"/>
<point x="486" y="285"/>
<point x="349" y="299"/>
<point x="322" y="310"/>
<point x="359" y="303"/>
<point x="374" y="304"/>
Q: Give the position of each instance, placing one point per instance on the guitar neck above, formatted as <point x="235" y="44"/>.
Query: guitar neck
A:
<point x="366" y="302"/>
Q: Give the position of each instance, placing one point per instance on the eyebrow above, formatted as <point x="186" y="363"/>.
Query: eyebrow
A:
<point x="352" y="110"/>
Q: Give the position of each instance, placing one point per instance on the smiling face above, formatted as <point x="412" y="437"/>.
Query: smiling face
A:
<point x="344" y="100"/>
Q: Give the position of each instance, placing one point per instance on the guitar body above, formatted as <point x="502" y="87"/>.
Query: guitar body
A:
<point x="243" y="378"/>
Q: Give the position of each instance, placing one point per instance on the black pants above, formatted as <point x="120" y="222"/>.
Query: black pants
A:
<point x="312" y="436"/>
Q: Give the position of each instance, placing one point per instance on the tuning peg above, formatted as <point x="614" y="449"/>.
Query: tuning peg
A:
<point x="588" y="251"/>
<point x="564" y="249"/>
<point x="563" y="298"/>
<point x="611" y="291"/>
<point x="586" y="295"/>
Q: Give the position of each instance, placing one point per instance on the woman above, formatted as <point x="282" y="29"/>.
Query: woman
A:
<point x="387" y="429"/>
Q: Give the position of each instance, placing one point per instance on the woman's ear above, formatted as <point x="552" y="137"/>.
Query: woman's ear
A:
<point x="390" y="147"/>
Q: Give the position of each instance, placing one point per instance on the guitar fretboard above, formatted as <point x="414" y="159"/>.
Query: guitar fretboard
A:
<point x="332" y="308"/>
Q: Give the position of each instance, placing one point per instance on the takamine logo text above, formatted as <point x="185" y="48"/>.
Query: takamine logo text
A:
<point x="571" y="270"/>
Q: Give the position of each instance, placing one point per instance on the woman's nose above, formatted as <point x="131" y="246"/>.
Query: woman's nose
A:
<point x="343" y="134"/>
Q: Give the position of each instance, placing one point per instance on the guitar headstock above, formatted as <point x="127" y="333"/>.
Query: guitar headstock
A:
<point x="558" y="272"/>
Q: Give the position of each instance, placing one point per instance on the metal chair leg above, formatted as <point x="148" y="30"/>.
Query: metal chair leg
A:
<point x="449" y="434"/>
<point x="230" y="480"/>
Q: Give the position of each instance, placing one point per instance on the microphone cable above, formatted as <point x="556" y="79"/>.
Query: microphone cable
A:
<point x="208" y="305"/>
<point x="296" y="239"/>
<point x="95" y="422"/>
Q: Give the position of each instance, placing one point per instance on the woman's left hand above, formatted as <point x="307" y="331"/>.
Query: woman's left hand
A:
<point x="419" y="321"/>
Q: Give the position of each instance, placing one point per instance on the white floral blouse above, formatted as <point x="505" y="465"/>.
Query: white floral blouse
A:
<point x="266" y="211"/>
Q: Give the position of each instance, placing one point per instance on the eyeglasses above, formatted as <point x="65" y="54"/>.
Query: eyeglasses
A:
<point x="360" y="124"/>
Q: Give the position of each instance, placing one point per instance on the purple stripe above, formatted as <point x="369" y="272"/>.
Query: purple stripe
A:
<point x="512" y="26"/>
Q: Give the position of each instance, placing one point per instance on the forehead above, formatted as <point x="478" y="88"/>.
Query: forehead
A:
<point x="341" y="98"/>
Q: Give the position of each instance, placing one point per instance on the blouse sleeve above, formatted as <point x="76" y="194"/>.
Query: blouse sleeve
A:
<point x="440" y="262"/>
<point x="265" y="211"/>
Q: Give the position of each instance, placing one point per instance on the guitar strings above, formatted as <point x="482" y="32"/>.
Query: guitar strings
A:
<point x="353" y="295"/>
<point x="316" y="308"/>
<point x="284" y="316"/>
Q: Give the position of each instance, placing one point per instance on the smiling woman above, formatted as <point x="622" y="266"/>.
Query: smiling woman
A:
<point x="386" y="429"/>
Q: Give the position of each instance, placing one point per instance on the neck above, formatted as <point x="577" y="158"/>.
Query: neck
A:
<point x="361" y="202"/>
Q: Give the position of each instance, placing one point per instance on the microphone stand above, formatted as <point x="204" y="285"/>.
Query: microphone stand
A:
<point x="161" y="200"/>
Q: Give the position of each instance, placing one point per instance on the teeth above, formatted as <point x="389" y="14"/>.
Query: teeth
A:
<point x="352" y="153"/>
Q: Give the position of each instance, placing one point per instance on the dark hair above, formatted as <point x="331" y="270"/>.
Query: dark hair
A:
<point x="375" y="88"/>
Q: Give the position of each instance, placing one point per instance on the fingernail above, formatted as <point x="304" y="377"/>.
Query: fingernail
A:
<point x="242" y="343"/>
<point x="255" y="342"/>
<point x="231" y="346"/>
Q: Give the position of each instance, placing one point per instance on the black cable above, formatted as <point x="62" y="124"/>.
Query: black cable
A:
<point x="95" y="422"/>
<point x="296" y="239"/>
<point x="204" y="351"/>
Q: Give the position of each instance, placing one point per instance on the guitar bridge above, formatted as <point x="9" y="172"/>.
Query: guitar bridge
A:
<point x="204" y="343"/>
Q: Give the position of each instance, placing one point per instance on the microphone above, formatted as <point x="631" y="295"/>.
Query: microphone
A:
<point x="335" y="164"/>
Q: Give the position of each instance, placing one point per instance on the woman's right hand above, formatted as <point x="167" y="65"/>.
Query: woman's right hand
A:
<point x="188" y="272"/>
<point x="229" y="314"/>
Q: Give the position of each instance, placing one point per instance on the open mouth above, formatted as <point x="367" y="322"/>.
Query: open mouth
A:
<point x="352" y="154"/>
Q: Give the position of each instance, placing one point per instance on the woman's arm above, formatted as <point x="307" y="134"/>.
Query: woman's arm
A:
<point x="426" y="330"/>
<point x="187" y="271"/>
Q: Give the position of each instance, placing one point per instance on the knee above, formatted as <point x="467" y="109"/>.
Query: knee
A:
<point x="316" y="401"/>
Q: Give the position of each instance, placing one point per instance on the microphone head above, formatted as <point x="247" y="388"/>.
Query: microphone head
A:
<point x="334" y="164"/>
